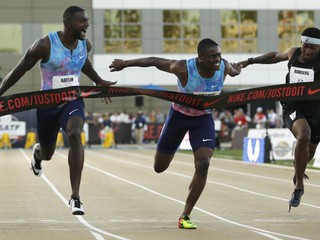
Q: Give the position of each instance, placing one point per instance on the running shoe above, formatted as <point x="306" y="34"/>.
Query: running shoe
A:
<point x="185" y="222"/>
<point x="36" y="164"/>
<point x="294" y="179"/>
<point x="295" y="198"/>
<point x="76" y="206"/>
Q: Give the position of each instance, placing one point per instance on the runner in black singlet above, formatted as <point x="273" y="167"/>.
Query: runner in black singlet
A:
<point x="302" y="118"/>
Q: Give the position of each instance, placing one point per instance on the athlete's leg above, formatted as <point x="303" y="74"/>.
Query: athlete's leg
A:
<point x="45" y="152"/>
<point x="202" y="140"/>
<point x="76" y="153"/>
<point x="171" y="136"/>
<point x="202" y="161"/>
<point x="302" y="133"/>
<point x="47" y="135"/>
<point x="312" y="150"/>
<point x="162" y="161"/>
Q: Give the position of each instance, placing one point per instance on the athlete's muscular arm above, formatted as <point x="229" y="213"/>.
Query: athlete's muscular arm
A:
<point x="268" y="58"/>
<point x="231" y="69"/>
<point x="38" y="50"/>
<point x="88" y="70"/>
<point x="162" y="64"/>
<point x="177" y="67"/>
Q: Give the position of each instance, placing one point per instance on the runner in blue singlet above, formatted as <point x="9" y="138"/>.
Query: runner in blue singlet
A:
<point x="63" y="55"/>
<point x="204" y="74"/>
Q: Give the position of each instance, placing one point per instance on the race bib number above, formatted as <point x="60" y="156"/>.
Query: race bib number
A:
<point x="65" y="81"/>
<point x="301" y="75"/>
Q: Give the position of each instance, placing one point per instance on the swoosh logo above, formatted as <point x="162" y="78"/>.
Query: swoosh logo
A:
<point x="313" y="91"/>
<point x="210" y="103"/>
<point x="206" y="140"/>
<point x="91" y="92"/>
<point x="77" y="109"/>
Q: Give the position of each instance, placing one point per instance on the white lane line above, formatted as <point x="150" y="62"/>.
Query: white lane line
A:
<point x="241" y="173"/>
<point x="267" y="235"/>
<point x="265" y="232"/>
<point x="80" y="218"/>
<point x="213" y="168"/>
<point x="97" y="236"/>
<point x="210" y="181"/>
<point x="244" y="190"/>
<point x="261" y="194"/>
<point x="264" y="177"/>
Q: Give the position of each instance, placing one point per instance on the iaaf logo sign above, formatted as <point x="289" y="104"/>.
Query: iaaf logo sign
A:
<point x="11" y="125"/>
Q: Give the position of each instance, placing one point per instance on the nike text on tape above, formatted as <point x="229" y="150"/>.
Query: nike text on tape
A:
<point x="50" y="98"/>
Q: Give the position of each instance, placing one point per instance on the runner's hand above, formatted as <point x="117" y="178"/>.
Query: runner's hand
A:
<point x="106" y="100"/>
<point x="117" y="65"/>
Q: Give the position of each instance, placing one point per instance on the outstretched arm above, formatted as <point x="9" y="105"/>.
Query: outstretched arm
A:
<point x="162" y="64"/>
<point x="35" y="52"/>
<point x="268" y="58"/>
<point x="177" y="67"/>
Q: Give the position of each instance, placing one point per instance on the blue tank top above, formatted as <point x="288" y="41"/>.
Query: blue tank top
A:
<point x="64" y="66"/>
<point x="201" y="86"/>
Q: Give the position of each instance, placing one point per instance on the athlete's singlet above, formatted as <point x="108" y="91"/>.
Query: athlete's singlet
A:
<point x="199" y="85"/>
<point x="64" y="66"/>
<point x="303" y="72"/>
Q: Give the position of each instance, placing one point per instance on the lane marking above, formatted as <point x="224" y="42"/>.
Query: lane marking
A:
<point x="80" y="218"/>
<point x="255" y="229"/>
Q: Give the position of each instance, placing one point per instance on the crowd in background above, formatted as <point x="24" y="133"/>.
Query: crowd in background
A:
<point x="110" y="119"/>
<point x="231" y="121"/>
<point x="138" y="120"/>
<point x="227" y="121"/>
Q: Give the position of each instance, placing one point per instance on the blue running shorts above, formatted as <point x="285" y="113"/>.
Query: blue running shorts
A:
<point x="50" y="120"/>
<point x="201" y="132"/>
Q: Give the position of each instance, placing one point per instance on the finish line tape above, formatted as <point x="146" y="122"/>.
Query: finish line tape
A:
<point x="50" y="98"/>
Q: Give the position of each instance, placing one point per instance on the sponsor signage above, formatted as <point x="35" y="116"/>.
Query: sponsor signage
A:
<point x="253" y="150"/>
<point x="282" y="140"/>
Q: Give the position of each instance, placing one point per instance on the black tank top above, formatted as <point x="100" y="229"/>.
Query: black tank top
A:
<point x="303" y="72"/>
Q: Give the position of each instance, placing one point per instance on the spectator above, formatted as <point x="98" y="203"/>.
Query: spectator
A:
<point x="159" y="116"/>
<point x="259" y="118"/>
<point x="115" y="119"/>
<point x="227" y="117"/>
<point x="106" y="120"/>
<point x="124" y="117"/>
<point x="240" y="121"/>
<point x="272" y="118"/>
<point x="89" y="118"/>
<point x="139" y="126"/>
<point x="152" y="117"/>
